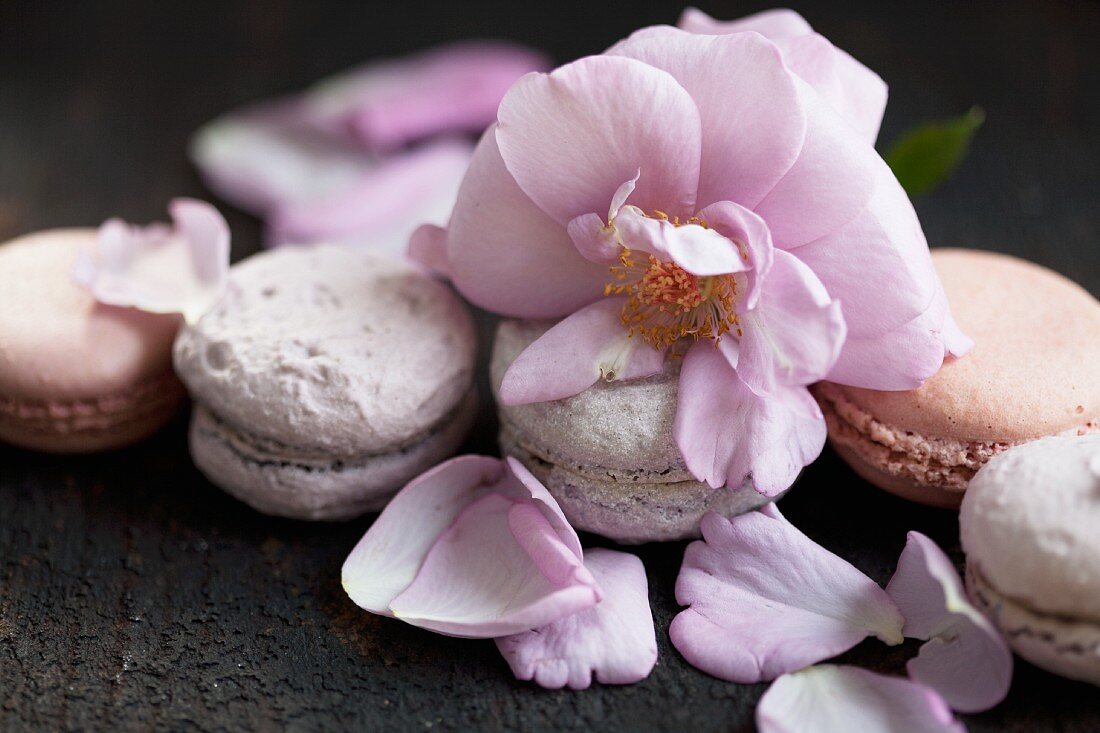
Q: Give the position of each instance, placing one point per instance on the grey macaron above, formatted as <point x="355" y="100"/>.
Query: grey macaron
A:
<point x="608" y="454"/>
<point x="325" y="379"/>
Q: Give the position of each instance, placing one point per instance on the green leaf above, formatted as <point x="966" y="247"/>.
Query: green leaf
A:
<point x="927" y="155"/>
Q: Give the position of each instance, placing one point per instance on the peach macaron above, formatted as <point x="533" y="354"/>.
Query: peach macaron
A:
<point x="1034" y="372"/>
<point x="76" y="376"/>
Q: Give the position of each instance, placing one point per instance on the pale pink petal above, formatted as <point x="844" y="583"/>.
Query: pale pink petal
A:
<point x="766" y="600"/>
<point x="269" y="155"/>
<point x="386" y="559"/>
<point x="589" y="345"/>
<point x="854" y="91"/>
<point x="570" y="138"/>
<point x="966" y="659"/>
<point x="794" y="335"/>
<point x="829" y="185"/>
<point x="775" y="24"/>
<point x="159" y="269"/>
<point x="838" y="699"/>
<point x="752" y="122"/>
<point x="546" y="504"/>
<point x="478" y="581"/>
<point x="380" y="209"/>
<point x="509" y="257"/>
<point x="894" y="281"/>
<point x="613" y="641"/>
<point x="752" y="236"/>
<point x="428" y="247"/>
<point x="726" y="433"/>
<point x="594" y="239"/>
<point x="453" y="88"/>
<point x="699" y="250"/>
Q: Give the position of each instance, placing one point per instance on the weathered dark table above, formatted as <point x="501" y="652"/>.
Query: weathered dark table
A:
<point x="135" y="595"/>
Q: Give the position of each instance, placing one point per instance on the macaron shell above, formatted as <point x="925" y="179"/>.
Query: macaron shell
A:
<point x="330" y="349"/>
<point x="76" y="375"/>
<point x="1035" y="366"/>
<point x="1030" y="522"/>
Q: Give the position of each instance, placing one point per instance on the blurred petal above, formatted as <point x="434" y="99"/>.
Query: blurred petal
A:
<point x="809" y="201"/>
<point x="794" y="335"/>
<point x="753" y="125"/>
<point x="727" y="433"/>
<point x="160" y="269"/>
<point x="570" y="138"/>
<point x="589" y="345"/>
<point x="269" y="155"/>
<point x="428" y="246"/>
<point x="453" y="88"/>
<point x="381" y="208"/>
<point x="838" y="699"/>
<point x="966" y="660"/>
<point x="775" y="24"/>
<point x="614" y="640"/>
<point x="509" y="257"/>
<point x="766" y="600"/>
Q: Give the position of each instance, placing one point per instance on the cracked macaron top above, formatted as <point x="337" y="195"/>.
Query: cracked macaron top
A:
<point x="330" y="349"/>
<point x="1029" y="525"/>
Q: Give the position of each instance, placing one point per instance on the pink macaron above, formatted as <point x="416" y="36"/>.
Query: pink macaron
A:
<point x="76" y="376"/>
<point x="1034" y="372"/>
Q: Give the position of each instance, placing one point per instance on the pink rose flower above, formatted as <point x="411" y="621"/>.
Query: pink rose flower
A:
<point x="692" y="196"/>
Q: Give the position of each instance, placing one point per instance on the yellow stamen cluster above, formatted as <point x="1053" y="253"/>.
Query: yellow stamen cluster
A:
<point x="665" y="303"/>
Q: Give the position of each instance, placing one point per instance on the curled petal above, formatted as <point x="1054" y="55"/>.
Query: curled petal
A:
<point x="570" y="138"/>
<point x="775" y="24"/>
<point x="830" y="698"/>
<point x="699" y="250"/>
<point x="428" y="246"/>
<point x="753" y="125"/>
<point x="508" y="256"/>
<point x="589" y="345"/>
<point x="471" y="549"/>
<point x="766" y="600"/>
<point x="159" y="269"/>
<point x="965" y="659"/>
<point x="454" y="88"/>
<point x="381" y="207"/>
<point x="794" y="335"/>
<point x="595" y="240"/>
<point x="727" y="433"/>
<point x="751" y="235"/>
<point x="613" y="641"/>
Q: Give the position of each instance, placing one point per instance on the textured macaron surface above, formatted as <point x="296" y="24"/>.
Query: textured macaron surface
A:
<point x="57" y="344"/>
<point x="331" y="350"/>
<point x="1030" y="523"/>
<point x="1035" y="366"/>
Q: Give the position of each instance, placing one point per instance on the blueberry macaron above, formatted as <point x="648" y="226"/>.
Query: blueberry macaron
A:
<point x="77" y="376"/>
<point x="1029" y="525"/>
<point x="1033" y="372"/>
<point x="326" y="379"/>
<point x="608" y="454"/>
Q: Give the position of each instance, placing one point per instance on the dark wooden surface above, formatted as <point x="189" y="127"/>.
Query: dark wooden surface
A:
<point x="135" y="595"/>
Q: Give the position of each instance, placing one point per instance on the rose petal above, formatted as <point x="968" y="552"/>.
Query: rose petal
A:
<point x="966" y="659"/>
<point x="699" y="250"/>
<point x="269" y="154"/>
<point x="809" y="202"/>
<point x="794" y="335"/>
<point x="589" y="345"/>
<point x="509" y="257"/>
<point x="471" y="549"/>
<point x="766" y="600"/>
<point x="753" y="125"/>
<point x="727" y="433"/>
<point x="751" y="233"/>
<point x="614" y="640"/>
<point x="428" y="247"/>
<point x="382" y="207"/>
<point x="775" y="24"/>
<point x="159" y="269"/>
<point x="830" y="699"/>
<point x="570" y="138"/>
<point x="453" y="88"/>
<point x="479" y="581"/>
